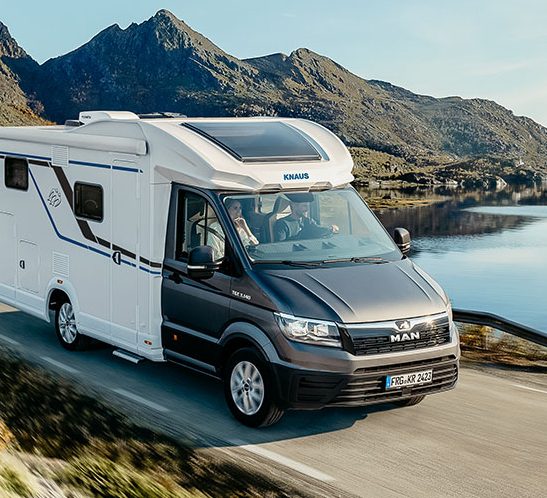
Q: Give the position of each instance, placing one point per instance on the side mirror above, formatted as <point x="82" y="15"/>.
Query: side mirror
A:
<point x="401" y="236"/>
<point x="201" y="263"/>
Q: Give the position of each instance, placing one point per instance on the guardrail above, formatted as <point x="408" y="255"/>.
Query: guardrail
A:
<point x="500" y="323"/>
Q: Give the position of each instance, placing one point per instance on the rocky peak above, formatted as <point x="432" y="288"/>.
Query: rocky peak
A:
<point x="172" y="32"/>
<point x="8" y="46"/>
<point x="165" y="16"/>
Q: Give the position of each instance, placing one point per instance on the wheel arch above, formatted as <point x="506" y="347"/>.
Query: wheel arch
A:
<point x="56" y="292"/>
<point x="244" y="334"/>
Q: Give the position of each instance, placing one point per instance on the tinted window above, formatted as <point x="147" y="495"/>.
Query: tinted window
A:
<point x="197" y="225"/>
<point x="88" y="201"/>
<point x="258" y="141"/>
<point x="16" y="173"/>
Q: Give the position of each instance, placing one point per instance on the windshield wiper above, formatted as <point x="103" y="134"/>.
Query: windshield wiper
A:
<point x="302" y="264"/>
<point x="372" y="260"/>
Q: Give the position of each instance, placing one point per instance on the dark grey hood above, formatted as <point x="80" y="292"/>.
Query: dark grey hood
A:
<point x="355" y="293"/>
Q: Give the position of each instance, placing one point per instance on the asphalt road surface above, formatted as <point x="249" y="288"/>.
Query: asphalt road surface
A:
<point x="488" y="437"/>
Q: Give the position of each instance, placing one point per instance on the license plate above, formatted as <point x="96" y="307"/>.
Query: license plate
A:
<point x="409" y="379"/>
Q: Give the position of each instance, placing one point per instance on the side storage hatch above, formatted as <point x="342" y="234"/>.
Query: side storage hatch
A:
<point x="29" y="265"/>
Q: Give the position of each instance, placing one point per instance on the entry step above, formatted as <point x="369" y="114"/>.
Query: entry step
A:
<point x="126" y="355"/>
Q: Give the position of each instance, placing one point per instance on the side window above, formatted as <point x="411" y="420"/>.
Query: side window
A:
<point x="197" y="225"/>
<point x="16" y="173"/>
<point x="88" y="201"/>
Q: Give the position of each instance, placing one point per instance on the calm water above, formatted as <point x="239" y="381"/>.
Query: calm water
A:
<point x="488" y="250"/>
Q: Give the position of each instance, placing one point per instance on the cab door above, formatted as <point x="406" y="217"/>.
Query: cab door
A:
<point x="194" y="311"/>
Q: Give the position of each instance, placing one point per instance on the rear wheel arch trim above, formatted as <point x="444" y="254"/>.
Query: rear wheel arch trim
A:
<point x="68" y="289"/>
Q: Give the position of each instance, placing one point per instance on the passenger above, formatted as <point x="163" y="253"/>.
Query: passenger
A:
<point x="243" y="230"/>
<point x="298" y="224"/>
<point x="216" y="239"/>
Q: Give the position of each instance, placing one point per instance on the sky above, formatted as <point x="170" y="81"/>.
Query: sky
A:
<point x="494" y="49"/>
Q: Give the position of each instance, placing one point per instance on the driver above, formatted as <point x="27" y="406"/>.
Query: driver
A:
<point x="298" y="224"/>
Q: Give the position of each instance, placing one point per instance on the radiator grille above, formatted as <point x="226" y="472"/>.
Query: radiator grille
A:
<point x="369" y="340"/>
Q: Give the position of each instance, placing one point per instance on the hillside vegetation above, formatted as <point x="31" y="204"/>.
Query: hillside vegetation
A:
<point x="16" y="108"/>
<point x="58" y="442"/>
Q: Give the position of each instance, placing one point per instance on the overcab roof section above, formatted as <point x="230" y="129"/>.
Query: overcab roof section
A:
<point x="259" y="141"/>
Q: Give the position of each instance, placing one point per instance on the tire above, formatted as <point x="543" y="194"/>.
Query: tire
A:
<point x="410" y="401"/>
<point x="66" y="329"/>
<point x="249" y="389"/>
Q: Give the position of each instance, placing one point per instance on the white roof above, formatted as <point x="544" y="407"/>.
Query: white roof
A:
<point x="182" y="152"/>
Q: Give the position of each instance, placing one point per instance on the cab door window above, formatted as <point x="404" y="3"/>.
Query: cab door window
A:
<point x="197" y="225"/>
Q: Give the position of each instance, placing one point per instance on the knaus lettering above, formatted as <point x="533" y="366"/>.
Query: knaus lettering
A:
<point x="296" y="176"/>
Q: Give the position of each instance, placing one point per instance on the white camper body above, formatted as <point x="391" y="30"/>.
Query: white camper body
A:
<point x="110" y="265"/>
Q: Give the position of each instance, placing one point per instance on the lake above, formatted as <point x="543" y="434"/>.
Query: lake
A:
<point x="487" y="249"/>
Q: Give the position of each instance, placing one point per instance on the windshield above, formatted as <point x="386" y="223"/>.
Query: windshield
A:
<point x="309" y="227"/>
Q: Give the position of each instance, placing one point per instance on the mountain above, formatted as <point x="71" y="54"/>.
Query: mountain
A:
<point x="164" y="65"/>
<point x="16" y="108"/>
<point x="161" y="64"/>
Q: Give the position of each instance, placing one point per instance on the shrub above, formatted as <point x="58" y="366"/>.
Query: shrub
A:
<point x="105" y="479"/>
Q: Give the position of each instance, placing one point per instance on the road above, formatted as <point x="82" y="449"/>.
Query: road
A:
<point x="488" y="437"/>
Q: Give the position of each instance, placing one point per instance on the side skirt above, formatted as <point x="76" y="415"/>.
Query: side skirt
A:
<point x="191" y="363"/>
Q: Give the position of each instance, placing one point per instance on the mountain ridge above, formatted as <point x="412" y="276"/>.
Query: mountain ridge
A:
<point x="163" y="64"/>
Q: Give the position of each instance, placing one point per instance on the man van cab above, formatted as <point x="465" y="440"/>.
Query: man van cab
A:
<point x="236" y="247"/>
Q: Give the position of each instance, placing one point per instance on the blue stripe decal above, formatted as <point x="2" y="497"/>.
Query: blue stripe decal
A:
<point x="75" y="242"/>
<point x="106" y="166"/>
<point x="149" y="271"/>
<point x="76" y="163"/>
<point x="61" y="236"/>
<point x="93" y="165"/>
<point x="29" y="156"/>
<point x="123" y="168"/>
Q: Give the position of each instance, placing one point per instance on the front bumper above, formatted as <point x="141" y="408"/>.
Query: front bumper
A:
<point x="305" y="389"/>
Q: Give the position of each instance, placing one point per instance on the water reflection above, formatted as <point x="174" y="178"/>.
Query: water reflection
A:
<point x="450" y="215"/>
<point x="488" y="250"/>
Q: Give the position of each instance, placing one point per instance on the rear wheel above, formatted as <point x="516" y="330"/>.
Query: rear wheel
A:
<point x="67" y="330"/>
<point x="410" y="401"/>
<point x="249" y="391"/>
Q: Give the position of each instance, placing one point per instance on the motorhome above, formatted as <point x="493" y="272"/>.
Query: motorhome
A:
<point x="234" y="246"/>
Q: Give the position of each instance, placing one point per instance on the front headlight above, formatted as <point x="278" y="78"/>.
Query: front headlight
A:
<point x="309" y="331"/>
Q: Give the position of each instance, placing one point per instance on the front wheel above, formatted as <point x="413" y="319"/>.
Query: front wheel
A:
<point x="248" y="388"/>
<point x="67" y="330"/>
